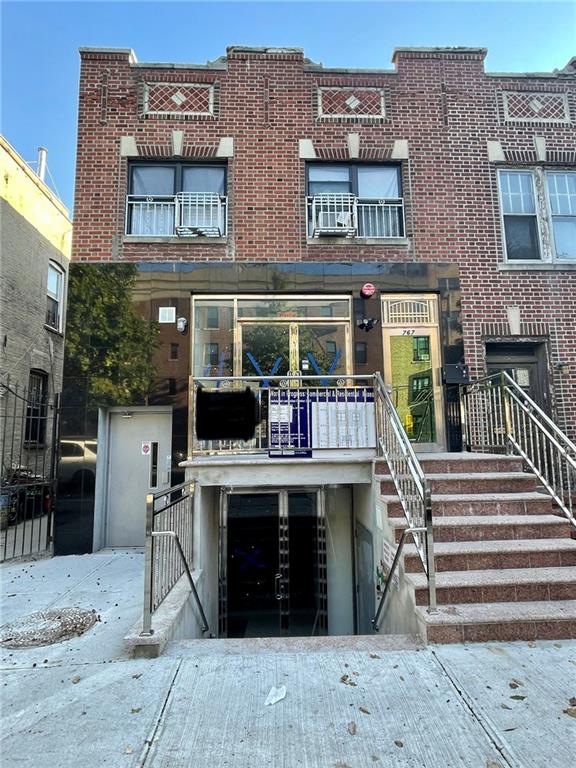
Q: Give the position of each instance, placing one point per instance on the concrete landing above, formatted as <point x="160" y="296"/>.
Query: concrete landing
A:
<point x="350" y="702"/>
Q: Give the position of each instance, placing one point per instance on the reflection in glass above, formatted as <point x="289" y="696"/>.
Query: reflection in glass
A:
<point x="412" y="387"/>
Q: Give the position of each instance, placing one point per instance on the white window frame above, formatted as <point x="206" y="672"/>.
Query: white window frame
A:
<point x="551" y="216"/>
<point x="544" y="218"/>
<point x="57" y="297"/>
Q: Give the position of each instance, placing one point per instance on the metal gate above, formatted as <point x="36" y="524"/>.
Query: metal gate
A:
<point x="28" y="454"/>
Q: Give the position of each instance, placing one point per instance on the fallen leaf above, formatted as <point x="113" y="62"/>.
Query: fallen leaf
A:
<point x="76" y="679"/>
<point x="571" y="711"/>
<point x="364" y="710"/>
<point x="510" y="729"/>
<point x="135" y="677"/>
<point x="128" y="751"/>
<point x="347" y="681"/>
<point x="518" y="698"/>
<point x="135" y="710"/>
<point x="515" y="684"/>
<point x="375" y="656"/>
<point x="572" y="701"/>
<point x="493" y="764"/>
<point x="531" y="644"/>
<point x="505" y="706"/>
<point x="398" y="743"/>
<point x="352" y="728"/>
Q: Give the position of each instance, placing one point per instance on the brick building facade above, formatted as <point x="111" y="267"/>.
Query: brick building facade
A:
<point x="268" y="115"/>
<point x="262" y="217"/>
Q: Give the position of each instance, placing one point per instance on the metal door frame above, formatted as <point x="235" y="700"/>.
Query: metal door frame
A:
<point x="283" y="592"/>
<point x="412" y="329"/>
<point x="103" y="469"/>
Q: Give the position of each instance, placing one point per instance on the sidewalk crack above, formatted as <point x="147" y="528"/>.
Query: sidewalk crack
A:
<point x="152" y="740"/>
<point x="491" y="732"/>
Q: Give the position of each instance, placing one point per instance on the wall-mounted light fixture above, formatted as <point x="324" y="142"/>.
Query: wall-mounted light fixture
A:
<point x="367" y="323"/>
<point x="126" y="414"/>
<point x="182" y="325"/>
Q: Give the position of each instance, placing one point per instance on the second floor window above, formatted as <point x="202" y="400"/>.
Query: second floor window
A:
<point x="355" y="200"/>
<point x="176" y="199"/>
<point x="54" y="296"/>
<point x="539" y="214"/>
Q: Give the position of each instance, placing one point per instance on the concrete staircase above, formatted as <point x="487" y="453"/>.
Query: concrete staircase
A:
<point x="505" y="563"/>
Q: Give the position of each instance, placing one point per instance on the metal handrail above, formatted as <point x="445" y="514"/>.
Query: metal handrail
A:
<point x="497" y="413"/>
<point x="406" y="532"/>
<point x="161" y="572"/>
<point x="188" y="573"/>
<point x="413" y="491"/>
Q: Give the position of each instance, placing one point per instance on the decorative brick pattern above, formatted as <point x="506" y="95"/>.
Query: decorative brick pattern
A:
<point x="351" y="102"/>
<point x="522" y="107"/>
<point x="173" y="99"/>
<point x="497" y="330"/>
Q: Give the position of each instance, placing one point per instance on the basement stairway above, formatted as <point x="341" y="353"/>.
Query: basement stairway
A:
<point x="505" y="563"/>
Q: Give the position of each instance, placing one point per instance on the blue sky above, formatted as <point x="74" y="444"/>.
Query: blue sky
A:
<point x="40" y="41"/>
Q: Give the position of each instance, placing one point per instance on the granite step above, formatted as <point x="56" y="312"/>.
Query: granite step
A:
<point x="494" y="527"/>
<point x="479" y="482"/>
<point x="461" y="462"/>
<point x="496" y="586"/>
<point x="537" y="620"/>
<point x="474" y="504"/>
<point x="481" y="555"/>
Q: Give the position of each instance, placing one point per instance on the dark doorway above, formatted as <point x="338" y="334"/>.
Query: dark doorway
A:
<point x="274" y="582"/>
<point x="526" y="363"/>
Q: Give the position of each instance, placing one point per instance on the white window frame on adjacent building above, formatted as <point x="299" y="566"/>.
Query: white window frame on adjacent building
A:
<point x="544" y="199"/>
<point x="55" y="296"/>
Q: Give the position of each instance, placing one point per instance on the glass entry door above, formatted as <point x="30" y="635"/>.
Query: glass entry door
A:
<point x="412" y="368"/>
<point x="296" y="348"/>
<point x="272" y="564"/>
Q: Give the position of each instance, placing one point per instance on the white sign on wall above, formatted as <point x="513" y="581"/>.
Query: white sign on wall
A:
<point x="146" y="447"/>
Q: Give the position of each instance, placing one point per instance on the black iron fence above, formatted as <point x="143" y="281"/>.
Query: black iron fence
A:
<point x="28" y="454"/>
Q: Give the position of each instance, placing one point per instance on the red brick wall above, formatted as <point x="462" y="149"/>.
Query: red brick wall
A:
<point x="441" y="102"/>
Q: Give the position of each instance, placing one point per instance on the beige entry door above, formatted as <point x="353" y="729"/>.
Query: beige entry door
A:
<point x="412" y="367"/>
<point x="139" y="462"/>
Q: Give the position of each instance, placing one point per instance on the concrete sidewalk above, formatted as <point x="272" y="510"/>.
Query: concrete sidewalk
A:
<point x="349" y="703"/>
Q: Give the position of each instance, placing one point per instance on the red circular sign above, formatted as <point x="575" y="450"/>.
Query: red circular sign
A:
<point x="367" y="290"/>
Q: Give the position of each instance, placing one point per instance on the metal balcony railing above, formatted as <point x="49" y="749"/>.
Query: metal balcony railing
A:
<point x="300" y="414"/>
<point x="346" y="215"/>
<point x="187" y="214"/>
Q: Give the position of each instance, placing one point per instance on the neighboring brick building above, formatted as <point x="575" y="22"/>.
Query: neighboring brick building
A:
<point x="271" y="216"/>
<point x="36" y="241"/>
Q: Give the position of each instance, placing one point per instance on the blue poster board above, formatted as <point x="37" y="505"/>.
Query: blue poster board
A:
<point x="301" y="420"/>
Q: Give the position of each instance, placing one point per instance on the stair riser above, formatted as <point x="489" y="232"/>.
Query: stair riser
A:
<point x="497" y="532"/>
<point x="503" y="631"/>
<point x="467" y="509"/>
<point x="478" y="561"/>
<point x="442" y="466"/>
<point x="499" y="593"/>
<point x="523" y="484"/>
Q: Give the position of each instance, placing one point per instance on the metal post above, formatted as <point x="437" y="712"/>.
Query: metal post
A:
<point x="507" y="414"/>
<point x="147" y="613"/>
<point x="464" y="418"/>
<point x="431" y="565"/>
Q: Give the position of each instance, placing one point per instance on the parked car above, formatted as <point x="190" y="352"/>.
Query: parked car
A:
<point x="77" y="464"/>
